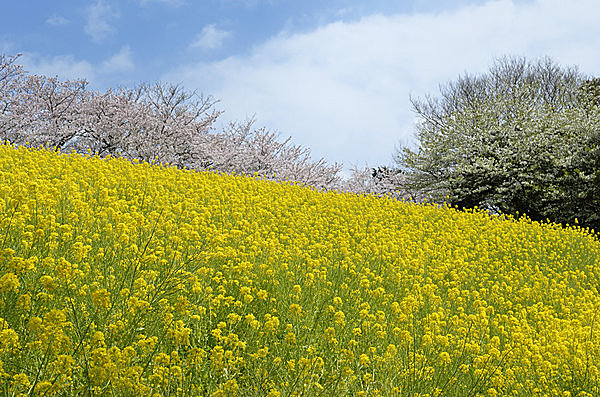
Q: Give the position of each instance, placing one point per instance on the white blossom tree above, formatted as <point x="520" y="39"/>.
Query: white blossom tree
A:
<point x="503" y="140"/>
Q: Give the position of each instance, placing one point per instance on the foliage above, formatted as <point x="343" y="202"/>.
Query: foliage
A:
<point x="520" y="139"/>
<point x="130" y="279"/>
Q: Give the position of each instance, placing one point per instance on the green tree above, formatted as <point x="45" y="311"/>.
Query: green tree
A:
<point x="519" y="139"/>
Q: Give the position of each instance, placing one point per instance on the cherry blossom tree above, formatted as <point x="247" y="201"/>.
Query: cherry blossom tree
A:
<point x="38" y="110"/>
<point x="241" y="148"/>
<point x="157" y="122"/>
<point x="12" y="78"/>
<point x="50" y="111"/>
<point x="177" y="124"/>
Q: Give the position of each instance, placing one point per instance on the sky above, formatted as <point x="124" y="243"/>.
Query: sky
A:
<point x="337" y="76"/>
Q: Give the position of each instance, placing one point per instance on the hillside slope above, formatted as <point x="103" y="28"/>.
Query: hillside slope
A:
<point x="134" y="279"/>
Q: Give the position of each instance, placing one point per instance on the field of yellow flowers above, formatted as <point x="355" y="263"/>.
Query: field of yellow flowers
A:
<point x="132" y="279"/>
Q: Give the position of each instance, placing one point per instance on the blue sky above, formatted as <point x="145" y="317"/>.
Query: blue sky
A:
<point x="335" y="75"/>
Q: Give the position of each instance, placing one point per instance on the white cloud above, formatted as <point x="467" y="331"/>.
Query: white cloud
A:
<point x="343" y="89"/>
<point x="56" y="20"/>
<point x="98" y="21"/>
<point x="66" y="67"/>
<point x="120" y="62"/>
<point x="210" y="38"/>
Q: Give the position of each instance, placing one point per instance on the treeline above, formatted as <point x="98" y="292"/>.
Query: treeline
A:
<point x="157" y="122"/>
<point x="523" y="138"/>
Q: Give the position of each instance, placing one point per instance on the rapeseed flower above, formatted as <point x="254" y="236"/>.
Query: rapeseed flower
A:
<point x="135" y="279"/>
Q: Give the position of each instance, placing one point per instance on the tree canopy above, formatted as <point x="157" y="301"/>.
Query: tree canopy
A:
<point x="522" y="138"/>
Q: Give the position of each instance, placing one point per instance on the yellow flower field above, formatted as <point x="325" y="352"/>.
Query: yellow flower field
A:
<point x="121" y="279"/>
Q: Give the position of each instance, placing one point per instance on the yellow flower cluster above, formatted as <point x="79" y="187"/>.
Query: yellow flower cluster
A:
<point x="126" y="279"/>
